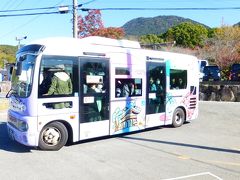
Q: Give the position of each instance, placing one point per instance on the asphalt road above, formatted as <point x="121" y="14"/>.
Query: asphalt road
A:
<point x="207" y="148"/>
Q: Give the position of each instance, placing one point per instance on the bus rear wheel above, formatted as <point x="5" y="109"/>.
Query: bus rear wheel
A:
<point x="53" y="136"/>
<point x="178" y="117"/>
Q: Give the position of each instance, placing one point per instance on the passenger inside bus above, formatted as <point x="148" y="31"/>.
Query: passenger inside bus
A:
<point x="94" y="108"/>
<point x="152" y="85"/>
<point x="156" y="100"/>
<point x="178" y="83"/>
<point x="159" y="96"/>
<point x="61" y="84"/>
<point x="128" y="87"/>
<point x="173" y="84"/>
<point x="45" y="82"/>
<point x="181" y="84"/>
<point x="152" y="99"/>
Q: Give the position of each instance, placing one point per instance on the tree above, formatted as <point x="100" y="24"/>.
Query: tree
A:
<point x="187" y="35"/>
<point x="7" y="54"/>
<point x="110" y="32"/>
<point x="224" y="46"/>
<point x="150" y="39"/>
<point x="92" y="25"/>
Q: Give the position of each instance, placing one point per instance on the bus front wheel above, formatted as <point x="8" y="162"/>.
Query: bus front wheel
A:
<point x="53" y="136"/>
<point x="178" y="117"/>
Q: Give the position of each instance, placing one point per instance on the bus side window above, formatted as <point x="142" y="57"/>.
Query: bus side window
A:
<point x="45" y="81"/>
<point x="57" y="78"/>
<point x="178" y="79"/>
<point x="58" y="105"/>
<point x="129" y="87"/>
<point x="156" y="88"/>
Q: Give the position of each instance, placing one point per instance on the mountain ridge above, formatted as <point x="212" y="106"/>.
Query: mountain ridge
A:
<point x="237" y="24"/>
<point x="154" y="25"/>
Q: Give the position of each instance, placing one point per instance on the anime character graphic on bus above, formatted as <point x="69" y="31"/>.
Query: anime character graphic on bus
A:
<point x="123" y="119"/>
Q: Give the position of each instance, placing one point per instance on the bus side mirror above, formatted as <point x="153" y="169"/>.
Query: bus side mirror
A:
<point x="19" y="68"/>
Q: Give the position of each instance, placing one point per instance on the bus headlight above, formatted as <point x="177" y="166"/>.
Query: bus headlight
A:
<point x="22" y="126"/>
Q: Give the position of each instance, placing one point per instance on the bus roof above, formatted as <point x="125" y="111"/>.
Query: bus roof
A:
<point x="93" y="40"/>
<point x="76" y="47"/>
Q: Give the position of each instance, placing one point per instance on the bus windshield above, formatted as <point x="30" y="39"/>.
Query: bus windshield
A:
<point x="22" y="77"/>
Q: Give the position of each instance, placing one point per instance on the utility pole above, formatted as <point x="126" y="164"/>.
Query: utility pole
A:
<point x="19" y="39"/>
<point x="75" y="5"/>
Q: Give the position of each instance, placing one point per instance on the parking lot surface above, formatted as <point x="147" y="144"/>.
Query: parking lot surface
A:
<point x="207" y="148"/>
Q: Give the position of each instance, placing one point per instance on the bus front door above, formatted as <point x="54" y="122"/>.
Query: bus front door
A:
<point x="94" y="97"/>
<point x="156" y="93"/>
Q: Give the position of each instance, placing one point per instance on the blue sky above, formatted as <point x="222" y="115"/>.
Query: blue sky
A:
<point x="41" y="26"/>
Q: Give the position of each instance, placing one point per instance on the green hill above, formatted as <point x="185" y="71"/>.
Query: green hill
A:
<point x="238" y="24"/>
<point x="7" y="54"/>
<point x="156" y="25"/>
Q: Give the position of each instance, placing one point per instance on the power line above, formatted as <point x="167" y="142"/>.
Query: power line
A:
<point x="29" y="14"/>
<point x="43" y="8"/>
<point x="29" y="9"/>
<point x="160" y="9"/>
<point x="34" y="9"/>
<point x="28" y="22"/>
<point x="106" y="9"/>
<point x="124" y="9"/>
<point x="88" y="2"/>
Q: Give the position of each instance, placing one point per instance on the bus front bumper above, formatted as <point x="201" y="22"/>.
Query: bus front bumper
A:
<point x="24" y="138"/>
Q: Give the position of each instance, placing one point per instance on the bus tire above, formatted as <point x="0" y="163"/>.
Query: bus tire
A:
<point x="53" y="136"/>
<point x="178" y="117"/>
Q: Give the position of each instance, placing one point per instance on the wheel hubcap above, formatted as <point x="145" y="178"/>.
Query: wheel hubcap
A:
<point x="178" y="118"/>
<point x="51" y="136"/>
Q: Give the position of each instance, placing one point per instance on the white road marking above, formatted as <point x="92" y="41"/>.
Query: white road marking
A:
<point x="194" y="175"/>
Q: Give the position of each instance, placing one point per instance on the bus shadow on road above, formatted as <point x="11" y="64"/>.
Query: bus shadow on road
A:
<point x="7" y="144"/>
<point x="183" y="145"/>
